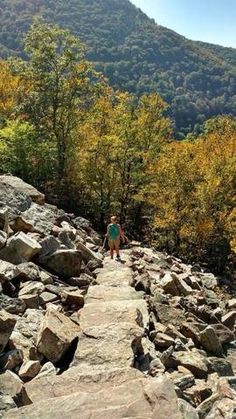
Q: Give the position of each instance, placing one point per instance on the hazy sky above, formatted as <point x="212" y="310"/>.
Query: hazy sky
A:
<point x="205" y="20"/>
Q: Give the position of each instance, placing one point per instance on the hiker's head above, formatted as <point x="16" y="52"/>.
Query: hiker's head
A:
<point x="114" y="219"/>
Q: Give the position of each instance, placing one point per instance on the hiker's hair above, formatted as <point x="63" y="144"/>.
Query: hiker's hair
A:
<point x="113" y="219"/>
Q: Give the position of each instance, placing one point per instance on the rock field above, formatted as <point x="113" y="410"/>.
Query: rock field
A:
<point x="86" y="337"/>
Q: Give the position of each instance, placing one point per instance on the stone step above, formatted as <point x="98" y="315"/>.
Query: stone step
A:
<point x="112" y="345"/>
<point x="116" y="278"/>
<point x="98" y="293"/>
<point x="76" y="379"/>
<point x="140" y="399"/>
<point x="105" y="313"/>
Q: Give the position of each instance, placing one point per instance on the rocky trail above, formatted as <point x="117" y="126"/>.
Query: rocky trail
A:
<point x="83" y="336"/>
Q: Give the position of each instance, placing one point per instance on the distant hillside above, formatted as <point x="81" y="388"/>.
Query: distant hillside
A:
<point x="226" y="54"/>
<point x="136" y="54"/>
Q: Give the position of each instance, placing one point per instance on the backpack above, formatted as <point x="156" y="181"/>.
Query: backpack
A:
<point x="114" y="231"/>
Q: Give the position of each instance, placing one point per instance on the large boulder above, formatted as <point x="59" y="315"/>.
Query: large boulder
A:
<point x="12" y="305"/>
<point x="193" y="361"/>
<point x="12" y="201"/>
<point x="66" y="263"/>
<point x="8" y="271"/>
<point x="40" y="218"/>
<point x="20" y="248"/>
<point x="10" y="384"/>
<point x="18" y="185"/>
<point x="210" y="341"/>
<point x="24" y="335"/>
<point x="88" y="254"/>
<point x="56" y="334"/>
<point x="7" y="324"/>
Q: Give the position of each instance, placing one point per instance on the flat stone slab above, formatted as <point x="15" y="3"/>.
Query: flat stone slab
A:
<point x="76" y="379"/>
<point x="101" y="293"/>
<point x="104" y="313"/>
<point x="139" y="399"/>
<point x="109" y="345"/>
<point x="114" y="277"/>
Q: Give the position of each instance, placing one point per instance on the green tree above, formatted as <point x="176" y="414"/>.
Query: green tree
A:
<point x="26" y="155"/>
<point x="59" y="84"/>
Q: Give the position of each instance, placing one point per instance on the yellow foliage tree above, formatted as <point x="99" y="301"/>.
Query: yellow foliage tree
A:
<point x="9" y="85"/>
<point x="192" y="193"/>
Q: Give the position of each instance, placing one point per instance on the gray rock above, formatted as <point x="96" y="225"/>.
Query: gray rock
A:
<point x="81" y="222"/>
<point x="48" y="369"/>
<point x="30" y="300"/>
<point x="83" y="281"/>
<point x="10" y="384"/>
<point x="210" y="341"/>
<point x="192" y="360"/>
<point x="18" y="185"/>
<point x="199" y="392"/>
<point x="185" y="381"/>
<point x="12" y="305"/>
<point x="73" y="298"/>
<point x="41" y="218"/>
<point x="156" y="367"/>
<point x="3" y="238"/>
<point x="47" y="297"/>
<point x="29" y="271"/>
<point x="67" y="238"/>
<point x="168" y="283"/>
<point x="231" y="358"/>
<point x="29" y="370"/>
<point x="163" y="341"/>
<point x="7" y="324"/>
<point x="6" y="403"/>
<point x="88" y="255"/>
<point x="24" y="335"/>
<point x="65" y="263"/>
<point x="137" y="398"/>
<point x="11" y="359"/>
<point x="167" y="314"/>
<point x="49" y="245"/>
<point x="225" y="403"/>
<point x="56" y="334"/>
<point x="224" y="334"/>
<point x="187" y="410"/>
<point x="8" y="271"/>
<point x="220" y="365"/>
<point x="232" y="303"/>
<point x="20" y="248"/>
<point x="229" y="319"/>
<point x="208" y="280"/>
<point x="31" y="288"/>
<point x="12" y="199"/>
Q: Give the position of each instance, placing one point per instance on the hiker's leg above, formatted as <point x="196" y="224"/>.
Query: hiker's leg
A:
<point x="117" y="247"/>
<point x="111" y="245"/>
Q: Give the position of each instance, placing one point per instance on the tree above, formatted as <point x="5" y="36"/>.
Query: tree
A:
<point x="192" y="194"/>
<point x="113" y="147"/>
<point x="26" y="155"/>
<point x="60" y="84"/>
<point x="9" y="85"/>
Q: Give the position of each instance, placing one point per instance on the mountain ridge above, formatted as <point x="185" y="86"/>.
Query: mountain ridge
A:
<point x="138" y="55"/>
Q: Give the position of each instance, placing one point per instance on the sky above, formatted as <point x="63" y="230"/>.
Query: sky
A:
<point x="211" y="21"/>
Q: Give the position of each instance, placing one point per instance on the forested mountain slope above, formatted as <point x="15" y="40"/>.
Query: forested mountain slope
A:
<point x="136" y="54"/>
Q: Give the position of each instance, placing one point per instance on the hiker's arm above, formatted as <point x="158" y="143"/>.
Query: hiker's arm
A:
<point x="107" y="233"/>
<point x="122" y="235"/>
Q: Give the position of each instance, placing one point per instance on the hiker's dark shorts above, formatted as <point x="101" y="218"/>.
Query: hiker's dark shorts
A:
<point x="114" y="244"/>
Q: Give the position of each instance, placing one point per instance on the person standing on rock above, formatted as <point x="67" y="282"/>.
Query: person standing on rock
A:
<point x="114" y="233"/>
